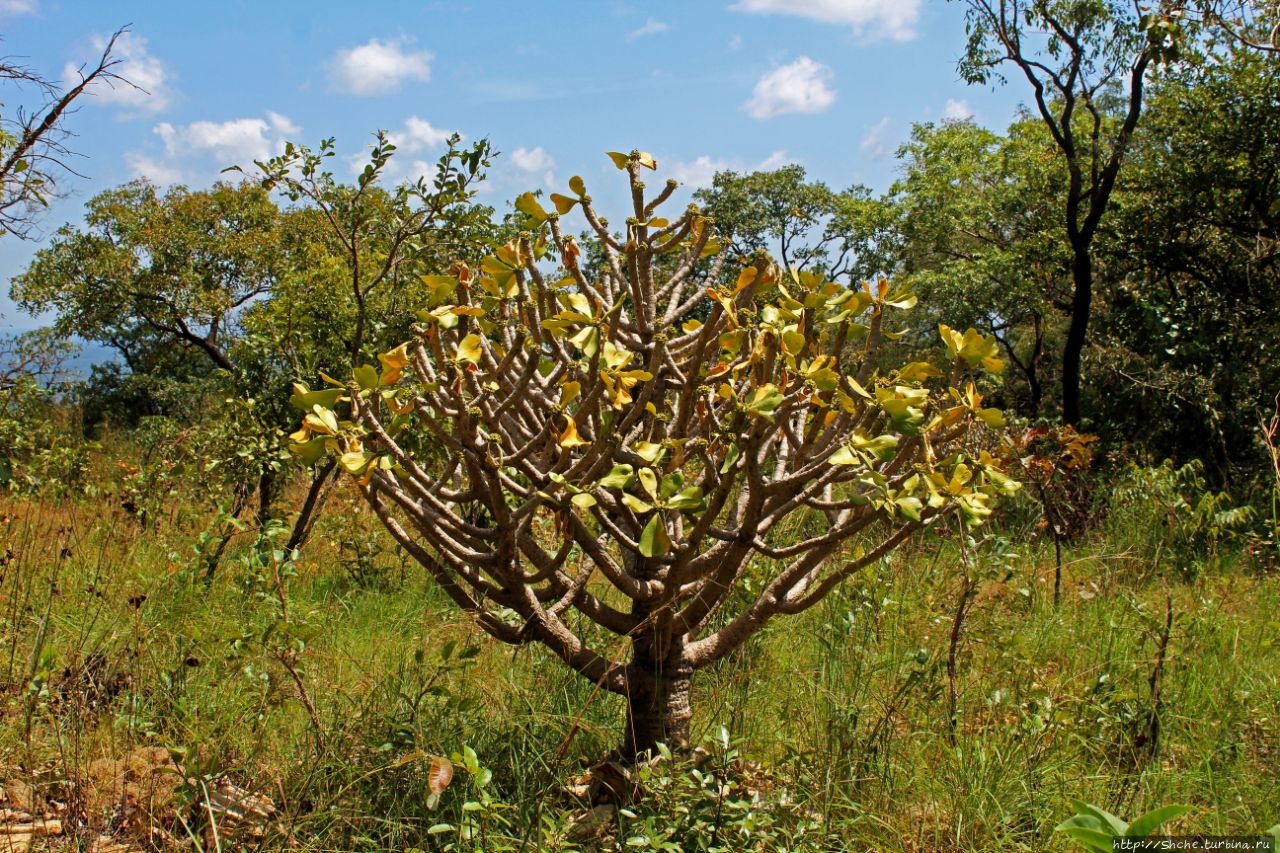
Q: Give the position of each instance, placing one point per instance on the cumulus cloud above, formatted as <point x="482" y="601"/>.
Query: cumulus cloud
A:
<point x="894" y="19"/>
<point x="957" y="110"/>
<point x="534" y="161"/>
<point x="875" y="142"/>
<point x="651" y="27"/>
<point x="416" y="136"/>
<point x="145" y="87"/>
<point x="200" y="150"/>
<point x="800" y="87"/>
<point x="378" y="67"/>
<point x="700" y="171"/>
<point x="419" y="134"/>
<point x="17" y="7"/>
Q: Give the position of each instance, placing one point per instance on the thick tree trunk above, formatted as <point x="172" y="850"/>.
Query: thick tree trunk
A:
<point x="1081" y="306"/>
<point x="658" y="711"/>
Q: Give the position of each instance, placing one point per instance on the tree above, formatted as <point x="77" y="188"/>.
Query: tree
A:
<point x="810" y="226"/>
<point x="223" y="285"/>
<point x="1251" y="23"/>
<point x="579" y="465"/>
<point x="33" y="149"/>
<point x="1194" y="248"/>
<point x="1087" y="63"/>
<point x="981" y="242"/>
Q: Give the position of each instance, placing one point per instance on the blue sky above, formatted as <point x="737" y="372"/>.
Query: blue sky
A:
<point x="703" y="85"/>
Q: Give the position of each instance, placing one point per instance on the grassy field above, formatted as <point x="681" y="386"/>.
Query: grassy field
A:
<point x="298" y="706"/>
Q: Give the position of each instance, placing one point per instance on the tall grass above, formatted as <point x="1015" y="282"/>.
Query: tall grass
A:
<point x="111" y="640"/>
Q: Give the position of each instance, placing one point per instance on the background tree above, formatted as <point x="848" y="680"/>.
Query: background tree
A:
<point x="578" y="469"/>
<point x="808" y="226"/>
<point x="981" y="241"/>
<point x="1251" y="23"/>
<point x="1086" y="62"/>
<point x="1194" y="249"/>
<point x="33" y="135"/>
<point x="235" y="299"/>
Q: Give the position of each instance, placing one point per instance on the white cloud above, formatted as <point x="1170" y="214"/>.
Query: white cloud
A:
<point x="145" y="87"/>
<point x="957" y="110"/>
<point x="699" y="172"/>
<point x="651" y="27"/>
<point x="416" y="136"/>
<point x="282" y="124"/>
<point x="801" y="87"/>
<point x="378" y="67"/>
<point x="419" y="134"/>
<point x="200" y="150"/>
<point x="532" y="161"/>
<point x="773" y="162"/>
<point x="895" y="19"/>
<point x="155" y="169"/>
<point x="875" y="142"/>
<point x="17" y="7"/>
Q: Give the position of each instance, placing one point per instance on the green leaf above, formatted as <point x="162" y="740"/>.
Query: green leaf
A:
<point x="648" y="451"/>
<point x="1092" y="837"/>
<point x="583" y="500"/>
<point x="304" y="399"/>
<point x="587" y="341"/>
<point x="909" y="507"/>
<point x="687" y="499"/>
<point x="844" y="456"/>
<point x="649" y="480"/>
<point x="309" y="452"/>
<point x="617" y="478"/>
<point x="654" y="541"/>
<point x="1106" y="818"/>
<point x="765" y="400"/>
<point x="366" y="376"/>
<point x="355" y="462"/>
<point x="636" y="505"/>
<point x="730" y="458"/>
<point x="1154" y="819"/>
<point x="993" y="418"/>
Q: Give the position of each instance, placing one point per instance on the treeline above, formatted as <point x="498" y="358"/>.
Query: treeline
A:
<point x="217" y="301"/>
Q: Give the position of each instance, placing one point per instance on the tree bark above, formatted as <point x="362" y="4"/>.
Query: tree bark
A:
<point x="1081" y="306"/>
<point x="658" y="710"/>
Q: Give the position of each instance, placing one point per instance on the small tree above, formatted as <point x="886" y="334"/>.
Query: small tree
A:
<point x="579" y="464"/>
<point x="33" y="135"/>
<point x="1086" y="62"/>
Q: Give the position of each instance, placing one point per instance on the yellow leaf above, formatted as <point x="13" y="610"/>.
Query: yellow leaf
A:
<point x="527" y="203"/>
<point x="577" y="186"/>
<point x="563" y="203"/>
<point x="394" y="363"/>
<point x="646" y="159"/>
<point x="570" y="437"/>
<point x="469" y="349"/>
<point x="619" y="159"/>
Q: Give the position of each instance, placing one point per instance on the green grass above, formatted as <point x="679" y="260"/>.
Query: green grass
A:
<point x="839" y="715"/>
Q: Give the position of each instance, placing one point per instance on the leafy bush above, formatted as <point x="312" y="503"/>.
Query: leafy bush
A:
<point x="1170" y="513"/>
